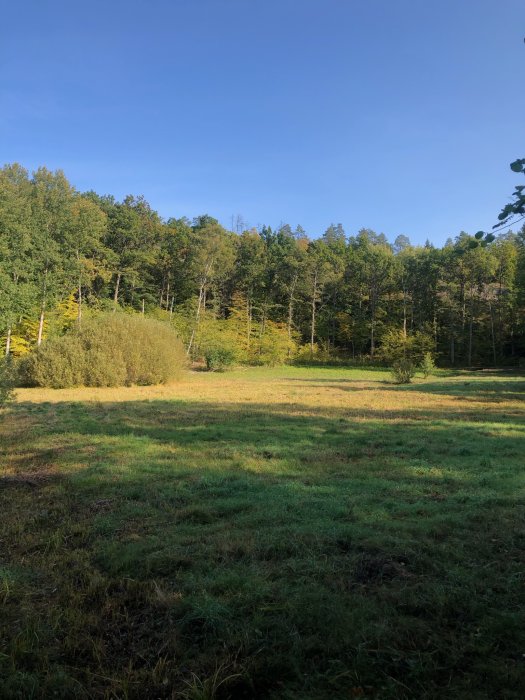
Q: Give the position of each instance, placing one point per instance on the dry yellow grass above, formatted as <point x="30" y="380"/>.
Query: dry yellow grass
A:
<point x="302" y="390"/>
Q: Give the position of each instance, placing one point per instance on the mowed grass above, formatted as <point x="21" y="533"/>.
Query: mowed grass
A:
<point x="288" y="533"/>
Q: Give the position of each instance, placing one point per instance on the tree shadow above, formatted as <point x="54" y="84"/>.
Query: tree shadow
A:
<point x="478" y="389"/>
<point x="290" y="544"/>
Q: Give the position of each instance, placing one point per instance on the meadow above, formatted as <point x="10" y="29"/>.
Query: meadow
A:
<point x="265" y="533"/>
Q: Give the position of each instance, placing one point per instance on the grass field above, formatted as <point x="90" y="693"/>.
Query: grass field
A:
<point x="287" y="533"/>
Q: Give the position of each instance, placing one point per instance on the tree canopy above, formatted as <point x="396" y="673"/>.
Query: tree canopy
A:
<point x="268" y="292"/>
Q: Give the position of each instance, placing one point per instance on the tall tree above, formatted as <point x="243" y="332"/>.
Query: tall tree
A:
<point x="211" y="263"/>
<point x="53" y="254"/>
<point x="17" y="281"/>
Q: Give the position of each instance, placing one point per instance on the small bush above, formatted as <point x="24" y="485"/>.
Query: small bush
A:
<point x="111" y="350"/>
<point x="403" y="371"/>
<point x="219" y="359"/>
<point x="427" y="365"/>
<point x="7" y="380"/>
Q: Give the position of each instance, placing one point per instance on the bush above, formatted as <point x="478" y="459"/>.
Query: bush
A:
<point x="403" y="370"/>
<point x="111" y="350"/>
<point x="396" y="346"/>
<point x="7" y="380"/>
<point x="427" y="365"/>
<point x="219" y="359"/>
<point x="273" y="347"/>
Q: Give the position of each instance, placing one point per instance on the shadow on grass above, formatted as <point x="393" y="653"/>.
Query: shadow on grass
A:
<point x="479" y="389"/>
<point x="466" y="386"/>
<point x="305" y="552"/>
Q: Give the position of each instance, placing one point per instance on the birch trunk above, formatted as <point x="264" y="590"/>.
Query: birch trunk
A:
<point x="8" y="342"/>
<point x="202" y="293"/>
<point x="117" y="287"/>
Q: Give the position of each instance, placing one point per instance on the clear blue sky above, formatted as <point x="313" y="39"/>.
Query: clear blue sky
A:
<point x="397" y="115"/>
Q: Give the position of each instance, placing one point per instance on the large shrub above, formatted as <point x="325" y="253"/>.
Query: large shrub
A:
<point x="109" y="350"/>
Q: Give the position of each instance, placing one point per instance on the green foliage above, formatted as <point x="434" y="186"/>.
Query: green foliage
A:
<point x="308" y="352"/>
<point x="243" y="340"/>
<point x="403" y="370"/>
<point x="219" y="359"/>
<point x="273" y="346"/>
<point x="318" y="354"/>
<point x="517" y="207"/>
<point x="65" y="255"/>
<point x="427" y="365"/>
<point x="216" y="344"/>
<point x="397" y="346"/>
<point x="60" y="363"/>
<point x="110" y="350"/>
<point x="7" y="380"/>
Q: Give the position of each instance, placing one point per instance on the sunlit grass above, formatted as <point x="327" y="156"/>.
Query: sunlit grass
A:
<point x="287" y="532"/>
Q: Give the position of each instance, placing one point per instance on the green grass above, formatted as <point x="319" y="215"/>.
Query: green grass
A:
<point x="286" y="533"/>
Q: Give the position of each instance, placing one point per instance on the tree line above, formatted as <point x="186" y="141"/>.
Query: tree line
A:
<point x="65" y="254"/>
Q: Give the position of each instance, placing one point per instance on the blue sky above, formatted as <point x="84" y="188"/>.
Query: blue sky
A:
<point x="397" y="115"/>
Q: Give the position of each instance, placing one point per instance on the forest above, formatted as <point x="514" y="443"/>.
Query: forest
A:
<point x="267" y="295"/>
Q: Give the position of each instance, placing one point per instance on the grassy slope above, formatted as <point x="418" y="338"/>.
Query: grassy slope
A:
<point x="294" y="533"/>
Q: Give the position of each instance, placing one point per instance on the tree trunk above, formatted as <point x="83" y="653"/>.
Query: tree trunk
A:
<point x="248" y="325"/>
<point x="263" y="326"/>
<point x="372" y="330"/>
<point x="492" y="334"/>
<point x="8" y="342"/>
<point x="41" y="326"/>
<point x="314" y="300"/>
<point x="79" y="316"/>
<point x="79" y="299"/>
<point x="470" y="325"/>
<point x="290" y="317"/>
<point x="404" y="313"/>
<point x="167" y="292"/>
<point x="469" y="358"/>
<point x="291" y="300"/>
<point x="202" y="293"/>
<point x="117" y="287"/>
<point x="42" y="311"/>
